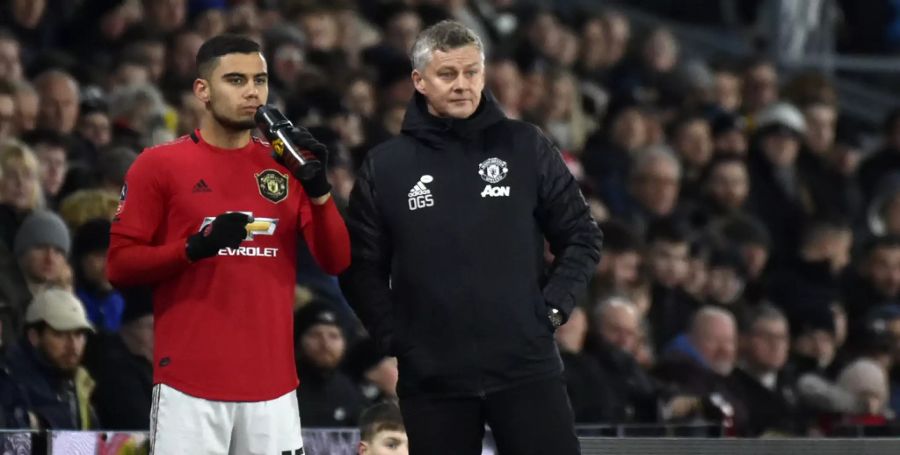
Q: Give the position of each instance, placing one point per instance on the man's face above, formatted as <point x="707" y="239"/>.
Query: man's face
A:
<point x="669" y="263"/>
<point x="323" y="345"/>
<point x="43" y="264"/>
<point x="817" y="344"/>
<point x="7" y="116"/>
<point x="93" y="265"/>
<point x="237" y="85"/>
<point x="884" y="270"/>
<point x="694" y="143"/>
<point x="59" y="104"/>
<point x="386" y="443"/>
<point x="27" y="106"/>
<point x="96" y="128"/>
<point x="821" y="121"/>
<point x="619" y="326"/>
<point x="63" y="350"/>
<point x="625" y="268"/>
<point x="18" y="186"/>
<point x="767" y="345"/>
<point x="10" y="61"/>
<point x="729" y="185"/>
<point x="716" y="343"/>
<point x="781" y="148"/>
<point x="53" y="167"/>
<point x="656" y="187"/>
<point x="452" y="81"/>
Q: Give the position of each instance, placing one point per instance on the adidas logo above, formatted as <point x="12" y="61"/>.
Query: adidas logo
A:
<point x="201" y="187"/>
<point x="420" y="196"/>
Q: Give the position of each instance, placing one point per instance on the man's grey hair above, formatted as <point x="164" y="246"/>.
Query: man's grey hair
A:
<point x="443" y="36"/>
<point x="650" y="155"/>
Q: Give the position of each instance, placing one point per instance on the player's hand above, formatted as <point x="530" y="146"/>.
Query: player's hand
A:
<point x="317" y="185"/>
<point x="228" y="230"/>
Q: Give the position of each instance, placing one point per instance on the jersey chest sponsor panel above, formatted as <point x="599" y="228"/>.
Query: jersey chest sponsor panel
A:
<point x="225" y="323"/>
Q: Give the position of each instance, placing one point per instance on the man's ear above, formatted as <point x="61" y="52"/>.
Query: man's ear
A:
<point x="419" y="82"/>
<point x="201" y="90"/>
<point x="34" y="337"/>
<point x="363" y="448"/>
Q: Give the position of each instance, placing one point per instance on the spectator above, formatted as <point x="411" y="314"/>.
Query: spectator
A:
<point x="10" y="57"/>
<point x="619" y="268"/>
<point x="727" y="90"/>
<point x="40" y="248"/>
<point x="123" y="367"/>
<point x="84" y="205"/>
<point x="691" y="140"/>
<point x="699" y="363"/>
<point x="725" y="187"/>
<point x="27" y="107"/>
<point x="876" y="278"/>
<point x="613" y="344"/>
<point x="7" y="110"/>
<point x="760" y="86"/>
<point x="328" y="397"/>
<point x="59" y="98"/>
<point x="884" y="161"/>
<point x="381" y="431"/>
<point x="654" y="186"/>
<point x="94" y="124"/>
<point x="52" y="152"/>
<point x="765" y="386"/>
<point x="671" y="308"/>
<point x="20" y="188"/>
<point x="726" y="279"/>
<point x="104" y="305"/>
<point x="47" y="362"/>
<point x="782" y="194"/>
<point x="586" y="383"/>
<point x="815" y="272"/>
<point x="728" y="135"/>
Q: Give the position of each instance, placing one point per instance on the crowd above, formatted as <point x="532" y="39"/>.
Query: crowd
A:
<point x="750" y="272"/>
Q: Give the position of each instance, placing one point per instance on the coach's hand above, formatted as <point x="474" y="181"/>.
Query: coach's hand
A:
<point x="316" y="185"/>
<point x="228" y="230"/>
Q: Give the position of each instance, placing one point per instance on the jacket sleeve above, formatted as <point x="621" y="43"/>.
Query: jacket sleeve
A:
<point x="566" y="222"/>
<point x="366" y="283"/>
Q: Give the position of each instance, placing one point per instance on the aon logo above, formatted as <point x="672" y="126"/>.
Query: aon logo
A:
<point x="420" y="202"/>
<point x="495" y="191"/>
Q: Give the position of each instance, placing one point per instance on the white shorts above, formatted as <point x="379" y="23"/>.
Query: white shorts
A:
<point x="182" y="424"/>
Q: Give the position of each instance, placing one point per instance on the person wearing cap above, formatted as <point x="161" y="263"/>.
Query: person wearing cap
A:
<point x="123" y="366"/>
<point x="40" y="247"/>
<point x="47" y="362"/>
<point x="328" y="397"/>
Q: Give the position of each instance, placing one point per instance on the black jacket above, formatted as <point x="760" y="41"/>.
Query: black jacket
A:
<point x="447" y="225"/>
<point x="124" y="391"/>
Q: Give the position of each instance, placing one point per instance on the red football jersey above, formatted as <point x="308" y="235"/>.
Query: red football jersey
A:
<point x="223" y="325"/>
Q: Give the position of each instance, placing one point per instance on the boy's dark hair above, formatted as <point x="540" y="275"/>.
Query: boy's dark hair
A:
<point x="618" y="237"/>
<point x="671" y="229"/>
<point x="380" y="417"/>
<point x="49" y="138"/>
<point x="220" y="45"/>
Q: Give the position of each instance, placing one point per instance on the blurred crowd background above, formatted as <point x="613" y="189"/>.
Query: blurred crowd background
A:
<point x="742" y="158"/>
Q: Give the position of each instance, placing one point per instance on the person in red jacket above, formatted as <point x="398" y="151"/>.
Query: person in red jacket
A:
<point x="211" y="221"/>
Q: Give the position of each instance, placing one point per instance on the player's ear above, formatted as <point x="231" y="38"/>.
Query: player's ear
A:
<point x="362" y="448"/>
<point x="201" y="90"/>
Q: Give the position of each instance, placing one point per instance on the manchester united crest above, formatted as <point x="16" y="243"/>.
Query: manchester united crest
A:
<point x="272" y="185"/>
<point x="493" y="170"/>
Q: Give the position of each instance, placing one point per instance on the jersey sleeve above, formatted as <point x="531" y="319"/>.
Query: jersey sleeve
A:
<point x="136" y="256"/>
<point x="142" y="201"/>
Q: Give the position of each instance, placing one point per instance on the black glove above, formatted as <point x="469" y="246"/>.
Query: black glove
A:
<point x="317" y="185"/>
<point x="228" y="230"/>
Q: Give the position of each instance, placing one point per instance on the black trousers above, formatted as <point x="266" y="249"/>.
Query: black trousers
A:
<point x="532" y="418"/>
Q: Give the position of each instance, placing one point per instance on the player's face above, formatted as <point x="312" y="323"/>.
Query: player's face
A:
<point x="238" y="85"/>
<point x="452" y="81"/>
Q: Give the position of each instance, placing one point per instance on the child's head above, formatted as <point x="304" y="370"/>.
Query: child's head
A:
<point x="382" y="431"/>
